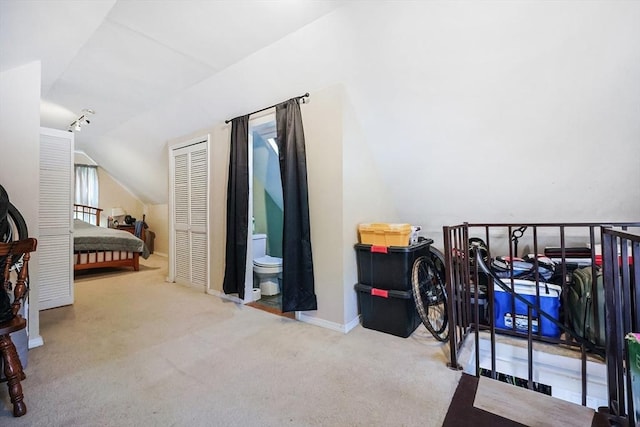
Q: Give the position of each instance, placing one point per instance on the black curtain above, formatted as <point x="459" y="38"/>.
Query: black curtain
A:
<point x="237" y="208"/>
<point x="297" y="263"/>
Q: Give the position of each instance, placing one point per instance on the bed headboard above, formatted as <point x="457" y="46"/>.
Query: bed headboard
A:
<point x="87" y="214"/>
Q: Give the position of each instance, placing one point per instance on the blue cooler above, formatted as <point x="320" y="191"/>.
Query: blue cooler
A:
<point x="549" y="303"/>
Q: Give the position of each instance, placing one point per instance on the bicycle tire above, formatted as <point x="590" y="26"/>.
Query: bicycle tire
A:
<point x="17" y="229"/>
<point x="430" y="296"/>
<point x="437" y="258"/>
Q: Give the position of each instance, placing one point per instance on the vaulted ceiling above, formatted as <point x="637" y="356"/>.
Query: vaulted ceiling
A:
<point x="137" y="65"/>
<point x="445" y="93"/>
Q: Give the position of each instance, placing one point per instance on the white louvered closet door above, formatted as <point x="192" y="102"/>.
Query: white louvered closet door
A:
<point x="189" y="188"/>
<point x="55" y="241"/>
<point x="181" y="218"/>
<point x="198" y="218"/>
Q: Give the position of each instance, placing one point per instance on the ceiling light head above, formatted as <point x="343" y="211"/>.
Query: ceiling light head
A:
<point x="76" y="125"/>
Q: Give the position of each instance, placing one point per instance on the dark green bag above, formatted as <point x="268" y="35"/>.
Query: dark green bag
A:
<point x="582" y="310"/>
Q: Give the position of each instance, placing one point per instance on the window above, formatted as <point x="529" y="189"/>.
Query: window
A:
<point x="86" y="185"/>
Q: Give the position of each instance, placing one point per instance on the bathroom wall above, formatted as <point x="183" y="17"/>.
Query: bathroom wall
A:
<point x="275" y="218"/>
<point x="268" y="218"/>
<point x="259" y="208"/>
<point x="267" y="195"/>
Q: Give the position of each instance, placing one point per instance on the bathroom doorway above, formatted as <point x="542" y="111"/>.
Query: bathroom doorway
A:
<point x="266" y="216"/>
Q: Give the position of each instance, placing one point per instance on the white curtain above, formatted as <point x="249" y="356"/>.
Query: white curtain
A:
<point x="86" y="188"/>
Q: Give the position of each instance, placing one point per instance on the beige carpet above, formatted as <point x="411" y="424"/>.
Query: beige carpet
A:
<point x="137" y="351"/>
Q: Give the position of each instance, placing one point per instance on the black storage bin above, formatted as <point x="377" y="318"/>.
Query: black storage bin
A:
<point x="393" y="312"/>
<point x="389" y="267"/>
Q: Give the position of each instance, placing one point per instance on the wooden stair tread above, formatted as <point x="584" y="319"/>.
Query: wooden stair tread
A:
<point x="529" y="407"/>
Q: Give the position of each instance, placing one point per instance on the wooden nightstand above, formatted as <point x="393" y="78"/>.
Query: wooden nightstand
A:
<point x="132" y="229"/>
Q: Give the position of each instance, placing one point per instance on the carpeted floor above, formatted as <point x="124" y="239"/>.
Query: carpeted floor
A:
<point x="136" y="351"/>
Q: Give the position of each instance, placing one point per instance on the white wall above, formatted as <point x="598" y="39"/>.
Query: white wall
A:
<point x="523" y="97"/>
<point x="366" y="197"/>
<point x="473" y="111"/>
<point x="114" y="195"/>
<point x="344" y="190"/>
<point x="322" y="122"/>
<point x="501" y="111"/>
<point x="158" y="221"/>
<point x="454" y="111"/>
<point x="19" y="170"/>
<point x="466" y="111"/>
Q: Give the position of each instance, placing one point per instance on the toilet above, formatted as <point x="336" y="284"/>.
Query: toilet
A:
<point x="268" y="269"/>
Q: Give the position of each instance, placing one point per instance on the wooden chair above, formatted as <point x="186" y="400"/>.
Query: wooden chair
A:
<point x="11" y="254"/>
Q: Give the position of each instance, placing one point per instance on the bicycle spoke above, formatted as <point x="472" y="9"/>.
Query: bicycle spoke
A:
<point x="430" y="297"/>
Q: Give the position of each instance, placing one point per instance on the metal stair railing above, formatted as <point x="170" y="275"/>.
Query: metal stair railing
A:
<point x="463" y="280"/>
<point x="621" y="262"/>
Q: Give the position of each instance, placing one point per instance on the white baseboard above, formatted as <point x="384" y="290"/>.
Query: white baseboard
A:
<point x="162" y="254"/>
<point x="338" y="327"/>
<point x="225" y="296"/>
<point x="35" y="342"/>
<point x="355" y="322"/>
<point x="300" y="315"/>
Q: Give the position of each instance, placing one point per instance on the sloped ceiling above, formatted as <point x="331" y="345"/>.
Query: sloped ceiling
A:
<point x="465" y="106"/>
<point x="134" y="62"/>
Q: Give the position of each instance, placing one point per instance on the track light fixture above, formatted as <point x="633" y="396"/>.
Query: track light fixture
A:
<point x="76" y="125"/>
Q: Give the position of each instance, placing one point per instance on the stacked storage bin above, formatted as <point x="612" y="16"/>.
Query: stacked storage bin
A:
<point x="385" y="260"/>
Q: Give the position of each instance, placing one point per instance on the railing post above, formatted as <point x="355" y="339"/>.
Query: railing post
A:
<point x="610" y="280"/>
<point x="451" y="296"/>
<point x="621" y="298"/>
<point x="634" y="271"/>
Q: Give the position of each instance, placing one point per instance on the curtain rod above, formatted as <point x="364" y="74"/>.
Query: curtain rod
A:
<point x="306" y="95"/>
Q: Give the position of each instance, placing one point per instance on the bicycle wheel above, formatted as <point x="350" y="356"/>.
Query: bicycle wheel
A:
<point x="437" y="258"/>
<point x="15" y="227"/>
<point x="12" y="229"/>
<point x="430" y="296"/>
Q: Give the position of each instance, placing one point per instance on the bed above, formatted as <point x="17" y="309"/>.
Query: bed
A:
<point x="98" y="247"/>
